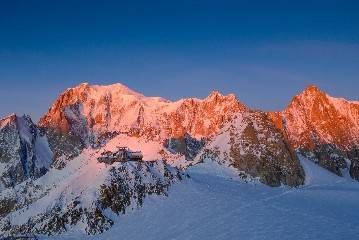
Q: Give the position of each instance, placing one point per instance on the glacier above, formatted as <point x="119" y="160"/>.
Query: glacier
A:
<point x="213" y="203"/>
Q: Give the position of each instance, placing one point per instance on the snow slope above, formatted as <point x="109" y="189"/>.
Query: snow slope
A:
<point x="75" y="198"/>
<point x="213" y="204"/>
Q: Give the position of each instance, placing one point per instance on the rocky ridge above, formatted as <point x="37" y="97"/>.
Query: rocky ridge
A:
<point x="252" y="144"/>
<point x="24" y="151"/>
<point x="323" y="128"/>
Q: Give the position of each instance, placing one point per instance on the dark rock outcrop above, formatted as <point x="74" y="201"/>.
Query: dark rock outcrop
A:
<point x="24" y="151"/>
<point x="253" y="145"/>
<point x="185" y="145"/>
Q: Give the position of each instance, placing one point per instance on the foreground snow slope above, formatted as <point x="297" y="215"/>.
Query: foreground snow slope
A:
<point x="78" y="197"/>
<point x="213" y="204"/>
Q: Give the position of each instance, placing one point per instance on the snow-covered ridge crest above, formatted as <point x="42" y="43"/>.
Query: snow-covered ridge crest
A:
<point x="102" y="109"/>
<point x="8" y="119"/>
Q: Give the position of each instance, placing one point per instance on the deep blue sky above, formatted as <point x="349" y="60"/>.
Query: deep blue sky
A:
<point x="263" y="52"/>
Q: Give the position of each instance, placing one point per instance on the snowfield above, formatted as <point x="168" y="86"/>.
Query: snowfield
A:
<point x="214" y="204"/>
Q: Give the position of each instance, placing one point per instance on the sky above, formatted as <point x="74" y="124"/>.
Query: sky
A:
<point x="263" y="52"/>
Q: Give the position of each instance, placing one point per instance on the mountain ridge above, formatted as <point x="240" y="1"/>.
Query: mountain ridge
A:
<point x="75" y="191"/>
<point x="323" y="128"/>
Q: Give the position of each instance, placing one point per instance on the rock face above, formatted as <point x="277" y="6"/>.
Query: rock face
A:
<point x="24" y="151"/>
<point x="252" y="144"/>
<point x="65" y="146"/>
<point x="186" y="145"/>
<point x="323" y="128"/>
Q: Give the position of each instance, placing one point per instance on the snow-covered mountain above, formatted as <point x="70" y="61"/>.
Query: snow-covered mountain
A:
<point x="324" y="128"/>
<point x="96" y="114"/>
<point x="92" y="111"/>
<point x="51" y="181"/>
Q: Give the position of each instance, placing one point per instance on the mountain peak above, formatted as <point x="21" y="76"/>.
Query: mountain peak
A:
<point x="8" y="119"/>
<point x="118" y="88"/>
<point x="81" y="86"/>
<point x="309" y="94"/>
<point x="10" y="116"/>
<point x="214" y="94"/>
<point x="84" y="84"/>
<point x="312" y="89"/>
<point x="313" y="117"/>
<point x="217" y="95"/>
